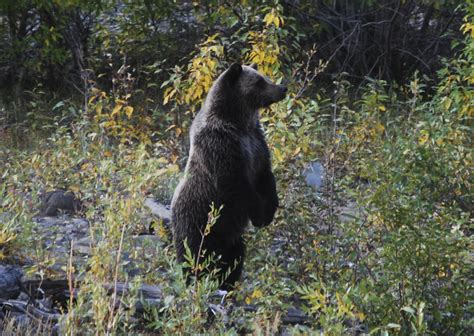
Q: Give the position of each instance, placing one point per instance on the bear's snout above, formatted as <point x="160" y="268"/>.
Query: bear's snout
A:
<point x="273" y="94"/>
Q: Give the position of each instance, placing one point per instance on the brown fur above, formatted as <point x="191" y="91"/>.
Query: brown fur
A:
<point x="229" y="164"/>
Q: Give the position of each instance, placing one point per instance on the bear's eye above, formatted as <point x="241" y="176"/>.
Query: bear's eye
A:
<point x="260" y="81"/>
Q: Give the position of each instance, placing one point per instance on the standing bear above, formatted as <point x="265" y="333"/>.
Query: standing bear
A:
<point x="228" y="165"/>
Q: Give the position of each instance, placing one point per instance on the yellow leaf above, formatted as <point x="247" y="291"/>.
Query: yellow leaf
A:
<point x="447" y="103"/>
<point x="109" y="124"/>
<point x="297" y="151"/>
<point x="360" y="316"/>
<point x="174" y="168"/>
<point x="211" y="63"/>
<point x="382" y="108"/>
<point x="257" y="293"/>
<point x="116" y="110"/>
<point x="379" y="128"/>
<point x="423" y="137"/>
<point x="128" y="111"/>
<point x="169" y="93"/>
<point x="268" y="19"/>
<point x="468" y="27"/>
<point x="162" y="232"/>
<point x="278" y="154"/>
<point x="75" y="188"/>
<point x="98" y="109"/>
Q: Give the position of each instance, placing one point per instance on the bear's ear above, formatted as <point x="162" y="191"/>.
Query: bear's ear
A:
<point x="234" y="72"/>
<point x="254" y="66"/>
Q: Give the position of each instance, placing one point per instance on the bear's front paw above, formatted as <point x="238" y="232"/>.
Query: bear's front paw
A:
<point x="268" y="218"/>
<point x="265" y="220"/>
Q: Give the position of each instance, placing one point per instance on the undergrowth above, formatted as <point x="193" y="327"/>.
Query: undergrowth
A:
<point x="381" y="248"/>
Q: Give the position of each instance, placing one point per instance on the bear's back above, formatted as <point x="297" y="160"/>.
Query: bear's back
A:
<point x="201" y="187"/>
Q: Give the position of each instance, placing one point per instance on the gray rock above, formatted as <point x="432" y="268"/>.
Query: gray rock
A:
<point x="295" y="316"/>
<point x="349" y="212"/>
<point x="159" y="210"/>
<point x="48" y="221"/>
<point x="10" y="278"/>
<point x="314" y="175"/>
<point x="83" y="246"/>
<point x="147" y="243"/>
<point x="59" y="201"/>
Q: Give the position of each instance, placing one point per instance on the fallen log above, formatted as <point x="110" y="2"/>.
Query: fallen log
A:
<point x="147" y="296"/>
<point x="147" y="291"/>
<point x="16" y="306"/>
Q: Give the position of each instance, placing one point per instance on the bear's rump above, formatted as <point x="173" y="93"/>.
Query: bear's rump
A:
<point x="191" y="206"/>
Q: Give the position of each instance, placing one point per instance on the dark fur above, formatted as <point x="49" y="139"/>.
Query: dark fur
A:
<point x="57" y="201"/>
<point x="229" y="164"/>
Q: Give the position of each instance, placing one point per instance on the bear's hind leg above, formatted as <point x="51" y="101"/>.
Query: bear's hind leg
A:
<point x="232" y="261"/>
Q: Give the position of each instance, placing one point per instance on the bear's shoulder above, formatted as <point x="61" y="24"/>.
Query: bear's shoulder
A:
<point x="220" y="138"/>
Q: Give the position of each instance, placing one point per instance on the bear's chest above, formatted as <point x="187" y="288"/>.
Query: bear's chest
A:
<point x="252" y="151"/>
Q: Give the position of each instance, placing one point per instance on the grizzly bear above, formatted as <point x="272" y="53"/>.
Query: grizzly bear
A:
<point x="228" y="165"/>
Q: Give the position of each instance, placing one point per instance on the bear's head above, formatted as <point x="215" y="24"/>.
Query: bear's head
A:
<point x="249" y="88"/>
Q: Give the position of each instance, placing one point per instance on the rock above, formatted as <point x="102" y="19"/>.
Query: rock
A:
<point x="314" y="175"/>
<point x="159" y="210"/>
<point x="217" y="311"/>
<point x="83" y="246"/>
<point x="295" y="316"/>
<point x="10" y="278"/>
<point x="57" y="232"/>
<point x="349" y="212"/>
<point x="148" y="243"/>
<point x="162" y="213"/>
<point x="48" y="222"/>
<point x="57" y="201"/>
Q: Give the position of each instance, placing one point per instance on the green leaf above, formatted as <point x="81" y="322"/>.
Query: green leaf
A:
<point x="394" y="326"/>
<point x="409" y="310"/>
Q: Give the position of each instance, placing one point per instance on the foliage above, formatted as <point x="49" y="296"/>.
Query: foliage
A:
<point x="381" y="248"/>
<point x="417" y="201"/>
<point x="333" y="310"/>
